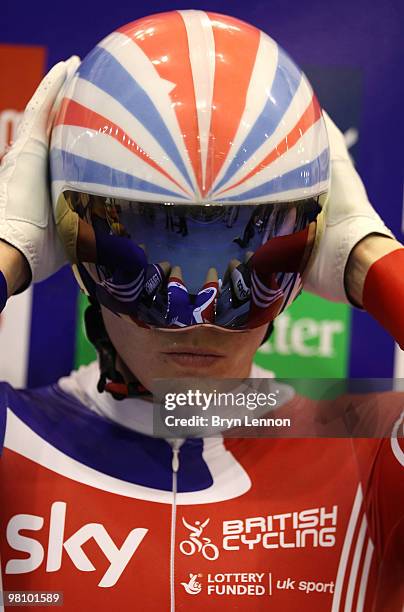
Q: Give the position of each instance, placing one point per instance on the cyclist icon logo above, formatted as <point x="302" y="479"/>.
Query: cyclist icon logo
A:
<point x="198" y="543"/>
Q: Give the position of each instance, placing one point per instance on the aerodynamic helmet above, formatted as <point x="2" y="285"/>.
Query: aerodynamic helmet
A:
<point x="189" y="167"/>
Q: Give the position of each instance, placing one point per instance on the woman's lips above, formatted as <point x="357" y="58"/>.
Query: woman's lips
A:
<point x="197" y="358"/>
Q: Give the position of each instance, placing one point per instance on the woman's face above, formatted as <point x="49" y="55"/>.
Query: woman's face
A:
<point x="200" y="351"/>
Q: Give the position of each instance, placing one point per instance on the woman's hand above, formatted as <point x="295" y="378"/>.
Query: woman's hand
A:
<point x="26" y="220"/>
<point x="349" y="218"/>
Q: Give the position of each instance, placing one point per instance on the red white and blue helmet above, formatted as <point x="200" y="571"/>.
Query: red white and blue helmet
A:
<point x="195" y="149"/>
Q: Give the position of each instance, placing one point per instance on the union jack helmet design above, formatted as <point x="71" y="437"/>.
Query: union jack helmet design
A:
<point x="190" y="106"/>
<point x="195" y="149"/>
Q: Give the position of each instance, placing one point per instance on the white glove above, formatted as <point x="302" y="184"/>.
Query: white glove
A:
<point x="349" y="217"/>
<point x="26" y="220"/>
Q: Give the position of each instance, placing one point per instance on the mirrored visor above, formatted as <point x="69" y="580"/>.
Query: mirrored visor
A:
<point x="172" y="266"/>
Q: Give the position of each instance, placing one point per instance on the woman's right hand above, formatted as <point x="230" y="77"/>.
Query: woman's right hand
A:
<point x="29" y="246"/>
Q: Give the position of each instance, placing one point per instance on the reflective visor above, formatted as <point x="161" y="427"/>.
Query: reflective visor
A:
<point x="172" y="266"/>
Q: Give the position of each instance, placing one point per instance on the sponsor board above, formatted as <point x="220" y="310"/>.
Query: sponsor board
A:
<point x="310" y="339"/>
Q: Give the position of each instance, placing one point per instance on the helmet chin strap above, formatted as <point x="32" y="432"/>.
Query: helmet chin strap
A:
<point x="111" y="380"/>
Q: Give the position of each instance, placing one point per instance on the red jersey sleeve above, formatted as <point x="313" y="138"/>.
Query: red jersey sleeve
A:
<point x="381" y="470"/>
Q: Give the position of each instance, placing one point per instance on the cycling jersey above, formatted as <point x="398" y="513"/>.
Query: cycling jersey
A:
<point x="96" y="507"/>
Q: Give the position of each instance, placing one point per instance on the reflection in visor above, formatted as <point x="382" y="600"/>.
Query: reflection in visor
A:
<point x="173" y="266"/>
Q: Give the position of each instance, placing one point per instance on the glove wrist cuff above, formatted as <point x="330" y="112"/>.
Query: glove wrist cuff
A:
<point x="383" y="293"/>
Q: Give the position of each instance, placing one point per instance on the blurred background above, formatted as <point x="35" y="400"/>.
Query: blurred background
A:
<point x="351" y="51"/>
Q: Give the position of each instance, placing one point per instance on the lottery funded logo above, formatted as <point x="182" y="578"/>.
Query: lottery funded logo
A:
<point x="238" y="583"/>
<point x="251" y="584"/>
<point x="192" y="587"/>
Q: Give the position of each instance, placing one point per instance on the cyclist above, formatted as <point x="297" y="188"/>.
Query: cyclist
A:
<point x="95" y="505"/>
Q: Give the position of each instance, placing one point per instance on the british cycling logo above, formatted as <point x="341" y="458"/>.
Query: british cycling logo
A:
<point x="314" y="527"/>
<point x="197" y="543"/>
<point x="192" y="587"/>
